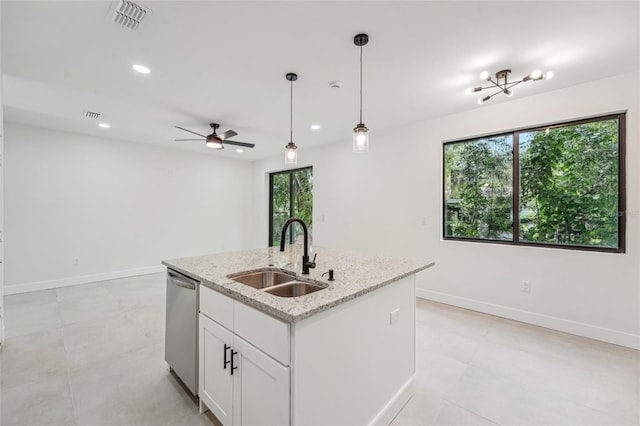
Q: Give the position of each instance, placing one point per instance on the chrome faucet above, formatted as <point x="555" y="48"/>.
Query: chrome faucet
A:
<point x="305" y="257"/>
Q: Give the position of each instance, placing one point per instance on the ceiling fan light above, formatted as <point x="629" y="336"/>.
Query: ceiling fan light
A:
<point x="213" y="142"/>
<point x="291" y="153"/>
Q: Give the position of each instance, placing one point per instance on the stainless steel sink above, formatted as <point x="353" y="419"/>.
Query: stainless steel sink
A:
<point x="293" y="289"/>
<point x="262" y="279"/>
<point x="278" y="283"/>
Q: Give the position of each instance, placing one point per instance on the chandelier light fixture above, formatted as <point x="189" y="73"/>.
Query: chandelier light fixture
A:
<point x="360" y="132"/>
<point x="502" y="83"/>
<point x="291" y="150"/>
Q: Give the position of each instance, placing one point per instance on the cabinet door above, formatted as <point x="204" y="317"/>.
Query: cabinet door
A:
<point x="261" y="390"/>
<point x="215" y="381"/>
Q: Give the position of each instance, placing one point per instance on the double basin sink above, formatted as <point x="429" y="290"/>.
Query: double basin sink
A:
<point x="278" y="283"/>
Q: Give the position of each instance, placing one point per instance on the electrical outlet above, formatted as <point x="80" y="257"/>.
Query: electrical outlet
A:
<point x="526" y="287"/>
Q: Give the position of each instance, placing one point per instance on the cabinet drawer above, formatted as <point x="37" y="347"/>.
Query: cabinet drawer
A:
<point x="216" y="306"/>
<point x="263" y="331"/>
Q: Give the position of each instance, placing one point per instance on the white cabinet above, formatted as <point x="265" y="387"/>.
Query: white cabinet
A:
<point x="260" y="388"/>
<point x="350" y="365"/>
<point x="238" y="382"/>
<point x="215" y="381"/>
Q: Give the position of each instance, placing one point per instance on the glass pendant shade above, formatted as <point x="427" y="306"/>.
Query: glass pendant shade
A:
<point x="360" y="139"/>
<point x="291" y="154"/>
<point x="360" y="132"/>
<point x="291" y="150"/>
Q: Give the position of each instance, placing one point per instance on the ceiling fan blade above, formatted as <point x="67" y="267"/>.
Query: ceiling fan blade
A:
<point x="181" y="128"/>
<point x="181" y="140"/>
<point x="226" y="135"/>
<point x="245" y="144"/>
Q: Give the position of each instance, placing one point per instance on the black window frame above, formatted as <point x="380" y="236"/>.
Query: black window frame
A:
<point x="290" y="172"/>
<point x="515" y="224"/>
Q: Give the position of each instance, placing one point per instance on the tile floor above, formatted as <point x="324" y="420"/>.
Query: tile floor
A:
<point x="94" y="355"/>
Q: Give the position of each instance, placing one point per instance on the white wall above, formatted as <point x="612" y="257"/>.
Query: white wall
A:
<point x="1" y="197"/>
<point x="376" y="203"/>
<point x="117" y="207"/>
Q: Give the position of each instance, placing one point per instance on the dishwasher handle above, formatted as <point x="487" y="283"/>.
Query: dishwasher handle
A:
<point x="181" y="281"/>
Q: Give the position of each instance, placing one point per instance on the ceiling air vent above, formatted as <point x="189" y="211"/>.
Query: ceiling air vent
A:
<point x="128" y="14"/>
<point x="92" y="115"/>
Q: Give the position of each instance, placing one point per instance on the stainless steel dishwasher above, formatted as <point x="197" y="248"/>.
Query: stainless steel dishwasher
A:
<point x="181" y="332"/>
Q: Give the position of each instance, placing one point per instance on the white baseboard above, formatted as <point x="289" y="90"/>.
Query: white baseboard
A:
<point x="395" y="405"/>
<point x="84" y="279"/>
<point x="616" y="337"/>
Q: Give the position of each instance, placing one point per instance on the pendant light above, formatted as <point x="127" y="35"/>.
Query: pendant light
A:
<point x="360" y="132"/>
<point x="291" y="150"/>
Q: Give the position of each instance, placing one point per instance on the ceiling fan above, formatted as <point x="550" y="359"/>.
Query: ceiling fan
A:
<point x="215" y="140"/>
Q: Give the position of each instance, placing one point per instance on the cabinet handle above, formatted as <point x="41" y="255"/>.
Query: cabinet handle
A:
<point x="226" y="348"/>
<point x="233" y="367"/>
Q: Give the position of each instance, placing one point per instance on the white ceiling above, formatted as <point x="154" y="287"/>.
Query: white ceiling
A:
<point x="226" y="62"/>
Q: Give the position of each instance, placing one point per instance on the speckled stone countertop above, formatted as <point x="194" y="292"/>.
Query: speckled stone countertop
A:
<point x="355" y="275"/>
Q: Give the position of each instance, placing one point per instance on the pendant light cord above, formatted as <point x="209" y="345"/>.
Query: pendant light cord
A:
<point x="360" y="84"/>
<point x="291" y="115"/>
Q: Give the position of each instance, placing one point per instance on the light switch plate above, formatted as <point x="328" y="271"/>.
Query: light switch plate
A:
<point x="393" y="316"/>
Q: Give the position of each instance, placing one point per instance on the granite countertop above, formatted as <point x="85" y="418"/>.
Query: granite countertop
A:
<point x="355" y="275"/>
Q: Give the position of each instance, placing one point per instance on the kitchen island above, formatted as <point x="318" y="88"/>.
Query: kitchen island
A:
<point x="344" y="354"/>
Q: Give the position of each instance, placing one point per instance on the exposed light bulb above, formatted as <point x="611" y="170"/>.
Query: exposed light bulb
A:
<point x="485" y="75"/>
<point x="469" y="91"/>
<point x="483" y="100"/>
<point x="549" y="75"/>
<point x="536" y="74"/>
<point x="315" y="127"/>
<point x="104" y="125"/>
<point x="239" y="151"/>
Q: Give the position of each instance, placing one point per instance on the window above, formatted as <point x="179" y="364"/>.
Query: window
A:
<point x="565" y="182"/>
<point x="290" y="194"/>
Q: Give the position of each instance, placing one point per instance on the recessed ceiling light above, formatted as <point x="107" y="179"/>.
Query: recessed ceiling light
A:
<point x="239" y="150"/>
<point x="141" y="69"/>
<point x="104" y="125"/>
<point x="315" y="127"/>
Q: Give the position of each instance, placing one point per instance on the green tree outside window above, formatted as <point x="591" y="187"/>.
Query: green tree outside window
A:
<point x="291" y="195"/>
<point x="568" y="180"/>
